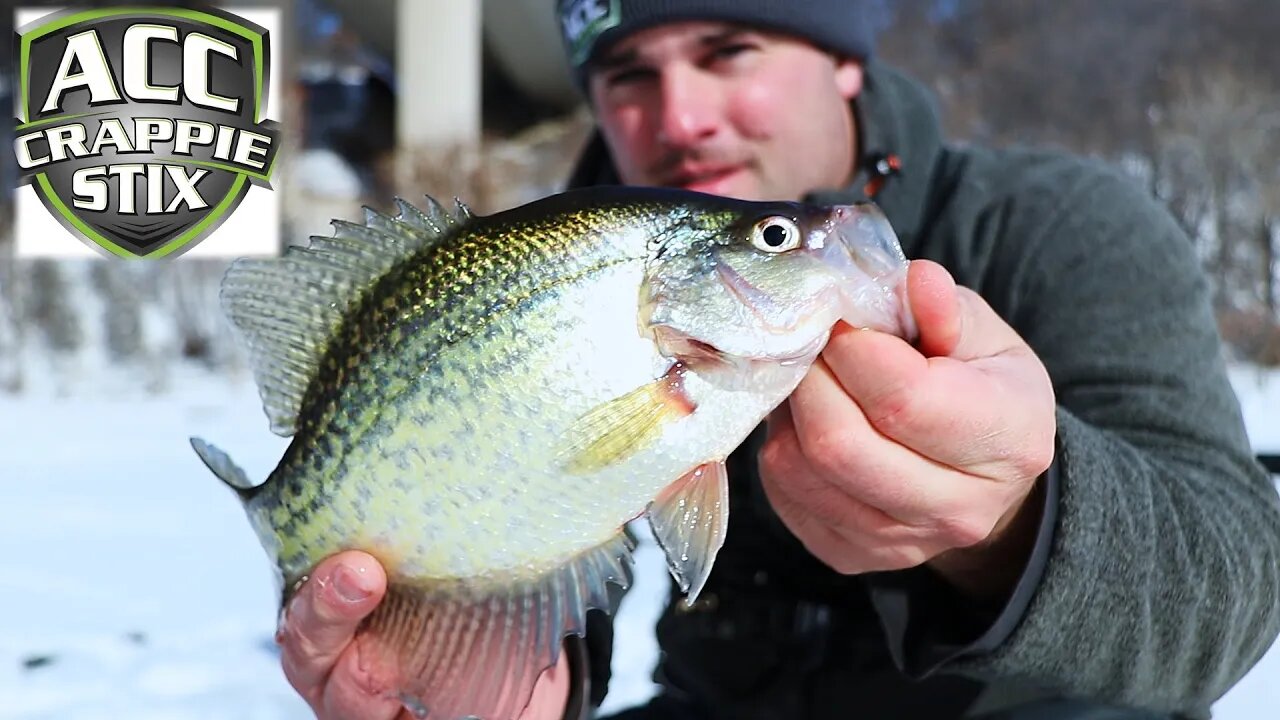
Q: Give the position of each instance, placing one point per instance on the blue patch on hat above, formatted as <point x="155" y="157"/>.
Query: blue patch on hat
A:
<point x="583" y="21"/>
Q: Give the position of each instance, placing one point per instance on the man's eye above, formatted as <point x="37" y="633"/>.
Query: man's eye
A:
<point x="629" y="76"/>
<point x="727" y="52"/>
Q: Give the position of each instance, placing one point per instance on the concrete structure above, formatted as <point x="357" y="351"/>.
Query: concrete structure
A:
<point x="438" y="46"/>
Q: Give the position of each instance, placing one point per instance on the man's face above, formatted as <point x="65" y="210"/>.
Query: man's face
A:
<point x="717" y="108"/>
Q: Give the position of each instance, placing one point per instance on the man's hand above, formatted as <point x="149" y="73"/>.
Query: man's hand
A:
<point x="888" y="456"/>
<point x="322" y="662"/>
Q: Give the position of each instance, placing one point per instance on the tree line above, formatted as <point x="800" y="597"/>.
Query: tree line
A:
<point x="1182" y="93"/>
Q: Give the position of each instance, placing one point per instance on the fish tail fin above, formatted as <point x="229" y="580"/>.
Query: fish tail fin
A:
<point x="459" y="652"/>
<point x="225" y="468"/>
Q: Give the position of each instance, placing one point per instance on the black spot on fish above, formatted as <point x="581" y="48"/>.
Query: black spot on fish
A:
<point x="400" y="460"/>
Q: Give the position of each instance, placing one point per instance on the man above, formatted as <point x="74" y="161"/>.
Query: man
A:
<point x="1046" y="507"/>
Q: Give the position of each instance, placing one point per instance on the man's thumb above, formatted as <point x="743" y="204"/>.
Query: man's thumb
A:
<point x="936" y="307"/>
<point x="323" y="617"/>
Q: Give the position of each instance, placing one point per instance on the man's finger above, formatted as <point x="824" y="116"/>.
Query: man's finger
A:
<point x="355" y="690"/>
<point x="936" y="307"/>
<point x="779" y="421"/>
<point x="974" y="415"/>
<point x="550" y="692"/>
<point x="982" y="332"/>
<point x="322" y="618"/>
<point x="839" y="441"/>
<point x="796" y="488"/>
<point x="954" y="321"/>
<point x="360" y="690"/>
<point x="846" y="534"/>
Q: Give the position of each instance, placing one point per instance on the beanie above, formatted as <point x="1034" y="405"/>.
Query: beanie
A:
<point x="588" y="26"/>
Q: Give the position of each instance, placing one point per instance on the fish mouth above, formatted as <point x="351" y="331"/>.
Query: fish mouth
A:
<point x="679" y="346"/>
<point x="861" y="249"/>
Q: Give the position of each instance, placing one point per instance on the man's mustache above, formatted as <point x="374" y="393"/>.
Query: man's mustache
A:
<point x="674" y="162"/>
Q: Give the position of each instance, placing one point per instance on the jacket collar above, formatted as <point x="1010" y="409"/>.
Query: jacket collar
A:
<point x="899" y="145"/>
<point x="900" y="142"/>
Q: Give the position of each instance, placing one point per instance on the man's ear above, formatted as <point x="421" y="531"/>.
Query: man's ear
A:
<point x="848" y="76"/>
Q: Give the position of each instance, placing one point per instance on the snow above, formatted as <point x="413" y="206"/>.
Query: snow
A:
<point x="133" y="587"/>
<point x="1259" y="393"/>
<point x="129" y="565"/>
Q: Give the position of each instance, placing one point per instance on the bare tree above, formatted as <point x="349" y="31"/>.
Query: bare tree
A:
<point x="49" y="307"/>
<point x="1219" y="144"/>
<point x="117" y="286"/>
<point x="1074" y="73"/>
<point x="1182" y="91"/>
<point x="10" y="327"/>
<point x="189" y="291"/>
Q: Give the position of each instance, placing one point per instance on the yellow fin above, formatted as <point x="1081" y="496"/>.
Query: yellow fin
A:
<point x="615" y="430"/>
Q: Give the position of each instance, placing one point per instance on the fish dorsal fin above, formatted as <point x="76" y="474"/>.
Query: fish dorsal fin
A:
<point x="288" y="307"/>
<point x="464" y="213"/>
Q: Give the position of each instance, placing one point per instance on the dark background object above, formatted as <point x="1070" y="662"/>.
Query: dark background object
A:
<point x="1271" y="463"/>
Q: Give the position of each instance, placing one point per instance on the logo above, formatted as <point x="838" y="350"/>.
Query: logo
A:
<point x="582" y="21"/>
<point x="141" y="130"/>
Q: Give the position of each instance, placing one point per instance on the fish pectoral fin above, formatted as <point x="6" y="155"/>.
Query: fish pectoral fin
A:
<point x="690" y="519"/>
<point x="459" y="651"/>
<point x="224" y="467"/>
<point x="615" y="430"/>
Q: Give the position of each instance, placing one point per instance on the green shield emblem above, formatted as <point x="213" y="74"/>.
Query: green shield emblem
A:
<point x="141" y="129"/>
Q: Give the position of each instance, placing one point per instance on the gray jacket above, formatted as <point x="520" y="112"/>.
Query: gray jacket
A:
<point x="1155" y="582"/>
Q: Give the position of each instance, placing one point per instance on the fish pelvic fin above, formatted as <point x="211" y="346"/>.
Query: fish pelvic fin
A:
<point x="288" y="308"/>
<point x="460" y="651"/>
<point x="690" y="519"/>
<point x="225" y="468"/>
<point x="617" y="429"/>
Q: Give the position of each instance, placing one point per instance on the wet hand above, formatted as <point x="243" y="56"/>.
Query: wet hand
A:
<point x="890" y="455"/>
<point x="322" y="661"/>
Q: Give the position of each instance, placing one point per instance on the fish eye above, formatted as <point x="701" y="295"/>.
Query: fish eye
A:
<point x="775" y="235"/>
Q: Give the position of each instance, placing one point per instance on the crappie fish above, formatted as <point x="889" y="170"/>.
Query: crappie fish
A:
<point x="483" y="403"/>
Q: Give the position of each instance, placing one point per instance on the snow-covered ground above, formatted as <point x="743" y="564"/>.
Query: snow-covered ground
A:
<point x="131" y="586"/>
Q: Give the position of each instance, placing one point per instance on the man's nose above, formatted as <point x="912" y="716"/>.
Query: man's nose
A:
<point x="689" y="108"/>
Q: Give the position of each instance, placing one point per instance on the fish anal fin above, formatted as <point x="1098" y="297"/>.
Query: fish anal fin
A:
<point x="690" y="519"/>
<point x="460" y="651"/>
<point x="617" y="429"/>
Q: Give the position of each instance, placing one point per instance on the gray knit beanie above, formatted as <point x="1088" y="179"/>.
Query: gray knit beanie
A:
<point x="842" y="26"/>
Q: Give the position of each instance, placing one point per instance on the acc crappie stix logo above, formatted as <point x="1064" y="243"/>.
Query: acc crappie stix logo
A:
<point x="141" y="130"/>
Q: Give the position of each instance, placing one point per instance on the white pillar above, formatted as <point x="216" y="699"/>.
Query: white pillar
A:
<point x="438" y="58"/>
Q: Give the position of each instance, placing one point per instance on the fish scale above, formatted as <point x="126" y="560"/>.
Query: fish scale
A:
<point x="364" y="392"/>
<point x="422" y="334"/>
<point x="483" y="403"/>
